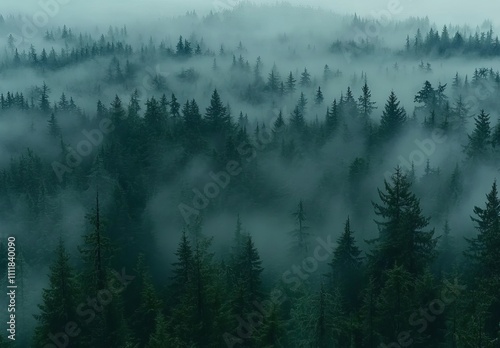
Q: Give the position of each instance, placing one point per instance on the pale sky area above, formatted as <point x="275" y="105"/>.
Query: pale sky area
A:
<point x="442" y="12"/>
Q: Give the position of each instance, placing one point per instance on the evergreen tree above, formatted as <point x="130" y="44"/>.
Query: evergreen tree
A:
<point x="273" y="81"/>
<point x="161" y="337"/>
<point x="183" y="266"/>
<point x="401" y="240"/>
<point x="248" y="271"/>
<point x="484" y="249"/>
<point x="365" y="104"/>
<point x="395" y="303"/>
<point x="478" y="147"/>
<point x="96" y="251"/>
<point x="319" y="97"/>
<point x="316" y="320"/>
<point x="332" y="118"/>
<point x="460" y="114"/>
<point x="174" y="108"/>
<point x="327" y="73"/>
<point x="427" y="96"/>
<point x="44" y="99"/>
<point x="393" y="118"/>
<point x="180" y="47"/>
<point x="216" y="115"/>
<point x="300" y="246"/>
<point x="145" y="316"/>
<point x="350" y="107"/>
<point x="108" y="327"/>
<point x="59" y="300"/>
<point x="346" y="268"/>
<point x="290" y="84"/>
<point x="279" y="124"/>
<point x="297" y="121"/>
<point x="53" y="125"/>
<point x="456" y="84"/>
<point x="154" y="119"/>
<point x="446" y="252"/>
<point x="273" y="331"/>
<point x="63" y="103"/>
<point x="305" y="79"/>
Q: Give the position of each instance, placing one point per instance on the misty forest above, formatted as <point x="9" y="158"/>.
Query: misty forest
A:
<point x="257" y="176"/>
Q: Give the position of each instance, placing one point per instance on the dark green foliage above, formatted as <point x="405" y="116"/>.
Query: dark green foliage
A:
<point x="402" y="240"/>
<point x="59" y="300"/>
<point x="393" y="118"/>
<point x="160" y="152"/>
<point x="478" y="147"/>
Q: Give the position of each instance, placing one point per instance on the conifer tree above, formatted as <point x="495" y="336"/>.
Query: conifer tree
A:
<point x="59" y="300"/>
<point x="161" y="337"/>
<point x="402" y="239"/>
<point x="53" y="125"/>
<point x="346" y="266"/>
<point x="290" y="84"/>
<point x="332" y="118"/>
<point x="183" y="266"/>
<point x="279" y="124"/>
<point x="395" y="303"/>
<point x="297" y="121"/>
<point x="174" y="108"/>
<point x="107" y="327"/>
<point x="365" y="103"/>
<point x="319" y="97"/>
<point x="302" y="103"/>
<point x="216" y="116"/>
<point x="305" y="79"/>
<point x="446" y="252"/>
<point x="44" y="99"/>
<point x="300" y="236"/>
<point x="393" y="118"/>
<point x="144" y="319"/>
<point x="273" y="81"/>
<point x="478" y="147"/>
<point x="484" y="249"/>
<point x="327" y="73"/>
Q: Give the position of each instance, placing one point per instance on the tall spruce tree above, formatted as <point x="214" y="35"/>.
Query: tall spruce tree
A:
<point x="478" y="147"/>
<point x="59" y="300"/>
<point x="300" y="235"/>
<point x="393" y="118"/>
<point x="365" y="103"/>
<point x="402" y="239"/>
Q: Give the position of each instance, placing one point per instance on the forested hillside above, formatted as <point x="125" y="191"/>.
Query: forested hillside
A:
<point x="264" y="176"/>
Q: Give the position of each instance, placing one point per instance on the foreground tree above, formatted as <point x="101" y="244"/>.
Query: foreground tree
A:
<point x="484" y="249"/>
<point x="402" y="239"/>
<point x="59" y="300"/>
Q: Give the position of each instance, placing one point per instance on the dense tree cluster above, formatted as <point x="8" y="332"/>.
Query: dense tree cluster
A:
<point x="407" y="277"/>
<point x="446" y="44"/>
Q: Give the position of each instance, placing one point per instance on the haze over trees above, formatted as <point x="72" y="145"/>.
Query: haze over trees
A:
<point x="212" y="185"/>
